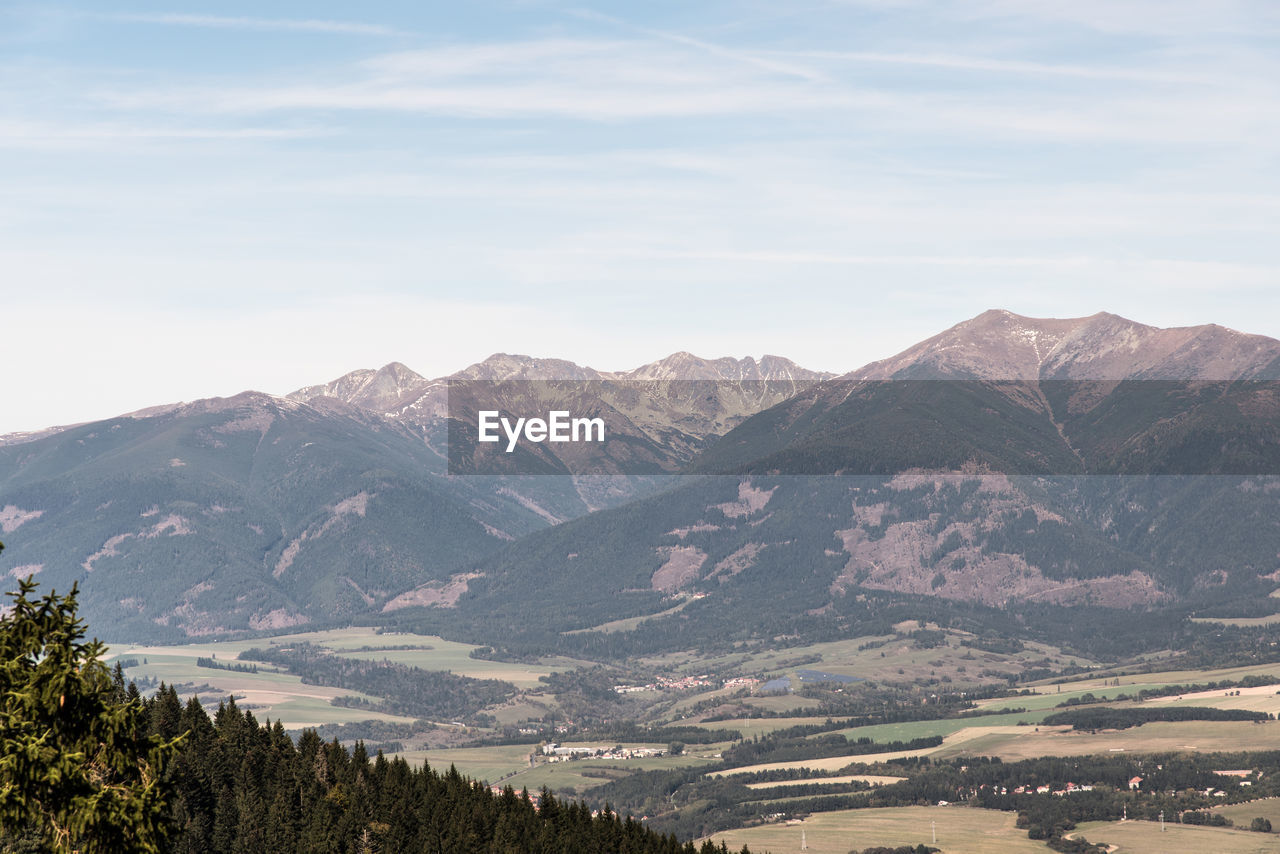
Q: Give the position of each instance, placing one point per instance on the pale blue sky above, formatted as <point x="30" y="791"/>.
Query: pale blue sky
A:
<point x="198" y="199"/>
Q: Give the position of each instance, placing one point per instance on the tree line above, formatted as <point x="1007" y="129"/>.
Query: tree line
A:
<point x="410" y="691"/>
<point x="89" y="766"/>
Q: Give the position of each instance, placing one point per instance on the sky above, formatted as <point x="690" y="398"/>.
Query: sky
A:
<point x="197" y="199"/>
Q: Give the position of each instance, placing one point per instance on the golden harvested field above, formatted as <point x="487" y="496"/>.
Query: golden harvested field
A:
<point x="1130" y="683"/>
<point x="873" y="779"/>
<point x="1261" y="699"/>
<point x="960" y="830"/>
<point x="1012" y="743"/>
<point x="1268" y="620"/>
<point x="833" y="763"/>
<point x="1144" y="837"/>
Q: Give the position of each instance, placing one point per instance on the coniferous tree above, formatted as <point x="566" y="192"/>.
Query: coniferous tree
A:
<point x="77" y="768"/>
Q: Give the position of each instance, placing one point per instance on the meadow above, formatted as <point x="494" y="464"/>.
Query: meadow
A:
<point x="270" y="693"/>
<point x="960" y="830"/>
<point x="510" y="765"/>
<point x="1242" y="814"/>
<point x="1145" y="837"/>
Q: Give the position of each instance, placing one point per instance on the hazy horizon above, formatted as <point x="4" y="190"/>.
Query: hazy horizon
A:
<point x="276" y="194"/>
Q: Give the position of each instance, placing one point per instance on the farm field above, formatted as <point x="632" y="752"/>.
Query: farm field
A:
<point x="887" y="658"/>
<point x="1264" y="698"/>
<point x="834" y="763"/>
<point x="1144" y="837"/>
<point x="908" y="730"/>
<point x="961" y="830"/>
<point x="626" y="624"/>
<point x="577" y="777"/>
<point x="750" y="727"/>
<point x="1268" y="620"/>
<point x="871" y="779"/>
<point x="509" y="764"/>
<point x="1012" y="743"/>
<point x="1131" y="682"/>
<point x="479" y="763"/>
<point x="425" y="651"/>
<point x="1242" y="814"/>
<point x="269" y="693"/>
<point x="782" y="703"/>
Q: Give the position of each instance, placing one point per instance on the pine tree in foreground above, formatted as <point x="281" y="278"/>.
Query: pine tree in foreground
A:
<point x="78" y="772"/>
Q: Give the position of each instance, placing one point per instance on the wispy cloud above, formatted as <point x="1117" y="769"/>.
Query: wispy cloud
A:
<point x="1163" y="18"/>
<point x="887" y="166"/>
<point x="602" y="79"/>
<point x="737" y="55"/>
<point x="1003" y="66"/>
<point x="21" y="133"/>
<point x="623" y="80"/>
<point x="297" y="25"/>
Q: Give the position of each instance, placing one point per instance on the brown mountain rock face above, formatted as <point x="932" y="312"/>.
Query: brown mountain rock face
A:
<point x="1001" y="345"/>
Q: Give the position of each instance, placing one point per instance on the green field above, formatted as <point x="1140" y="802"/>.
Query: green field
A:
<point x="1242" y="814"/>
<point x="626" y="624"/>
<point x="960" y="830"/>
<point x="479" y="763"/>
<point x="870" y="779"/>
<point x="882" y="658"/>
<point x="750" y="727"/>
<point x="1145" y="837"/>
<point x="267" y="693"/>
<point x="1132" y="682"/>
<point x="578" y="776"/>
<point x="1012" y="744"/>
<point x="782" y="703"/>
<point x="280" y="696"/>
<point x="908" y="730"/>
<point x="509" y="764"/>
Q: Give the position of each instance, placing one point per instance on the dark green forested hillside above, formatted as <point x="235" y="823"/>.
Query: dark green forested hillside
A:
<point x="241" y="787"/>
<point x="821" y="558"/>
<point x="250" y="513"/>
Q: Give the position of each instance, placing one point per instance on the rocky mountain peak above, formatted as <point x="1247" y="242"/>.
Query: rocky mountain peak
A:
<point x="1001" y="345"/>
<point x="508" y="366"/>
<point x="686" y="366"/>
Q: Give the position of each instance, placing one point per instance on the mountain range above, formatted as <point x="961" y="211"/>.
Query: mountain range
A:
<point x="261" y="512"/>
<point x="333" y="503"/>
<point x="1018" y="395"/>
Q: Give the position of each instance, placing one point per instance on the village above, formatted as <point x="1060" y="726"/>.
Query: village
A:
<point x="684" y="683"/>
<point x="559" y="753"/>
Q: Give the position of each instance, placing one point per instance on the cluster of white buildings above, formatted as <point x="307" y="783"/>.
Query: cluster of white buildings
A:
<point x="741" y="682"/>
<point x="683" y="683"/>
<point x="566" y="753"/>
